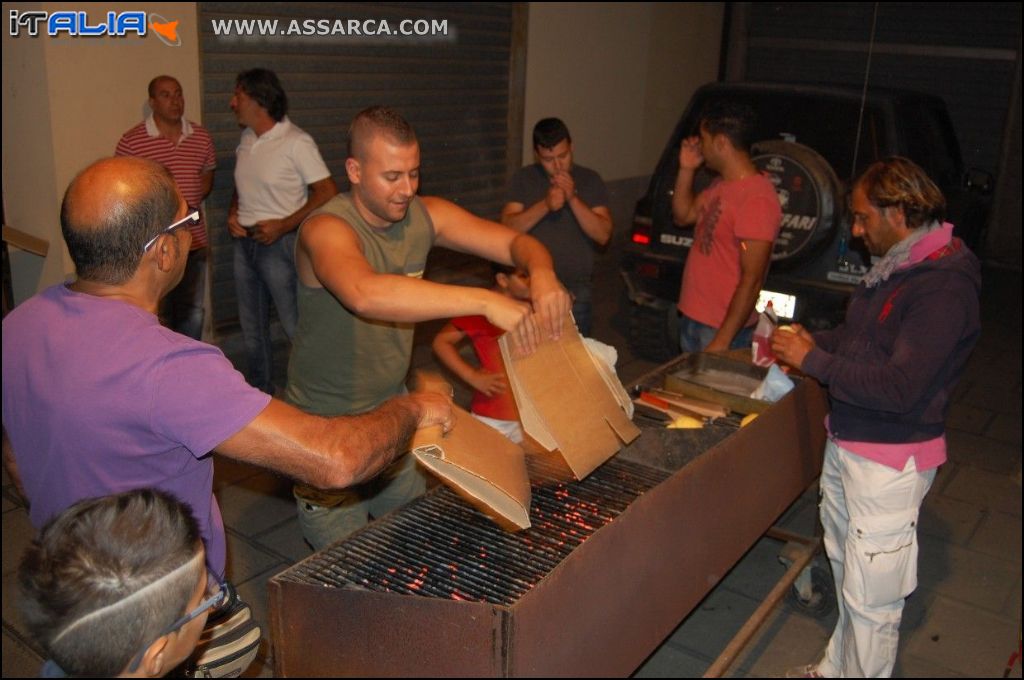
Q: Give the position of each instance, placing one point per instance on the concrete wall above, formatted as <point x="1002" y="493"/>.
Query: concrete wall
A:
<point x="66" y="103"/>
<point x="619" y="75"/>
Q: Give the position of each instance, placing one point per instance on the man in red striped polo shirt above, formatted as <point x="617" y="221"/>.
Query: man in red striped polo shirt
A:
<point x="186" y="150"/>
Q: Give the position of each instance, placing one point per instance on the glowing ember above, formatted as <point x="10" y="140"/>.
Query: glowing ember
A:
<point x="417" y="582"/>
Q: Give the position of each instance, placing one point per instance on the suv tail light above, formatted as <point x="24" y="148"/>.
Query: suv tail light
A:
<point x="642" y="230"/>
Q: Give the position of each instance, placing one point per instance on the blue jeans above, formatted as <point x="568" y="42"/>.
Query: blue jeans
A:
<point x="182" y="309"/>
<point x="263" y="273"/>
<point x="694" y="336"/>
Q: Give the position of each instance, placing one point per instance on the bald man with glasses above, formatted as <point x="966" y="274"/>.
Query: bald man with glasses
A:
<point x="99" y="398"/>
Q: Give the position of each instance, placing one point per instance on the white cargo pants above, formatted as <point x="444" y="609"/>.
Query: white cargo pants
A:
<point x="869" y="514"/>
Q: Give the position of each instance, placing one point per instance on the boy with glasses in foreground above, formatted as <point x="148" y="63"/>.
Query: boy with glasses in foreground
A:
<point x="118" y="586"/>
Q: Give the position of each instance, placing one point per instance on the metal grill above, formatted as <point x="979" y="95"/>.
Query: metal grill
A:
<point x="589" y="590"/>
<point x="440" y="547"/>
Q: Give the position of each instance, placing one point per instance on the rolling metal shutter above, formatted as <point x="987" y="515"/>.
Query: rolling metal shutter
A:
<point x="462" y="92"/>
<point x="964" y="52"/>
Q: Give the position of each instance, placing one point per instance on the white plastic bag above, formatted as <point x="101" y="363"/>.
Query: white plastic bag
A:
<point x="774" y="386"/>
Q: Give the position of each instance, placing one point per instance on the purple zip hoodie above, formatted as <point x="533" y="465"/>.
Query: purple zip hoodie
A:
<point x="891" y="367"/>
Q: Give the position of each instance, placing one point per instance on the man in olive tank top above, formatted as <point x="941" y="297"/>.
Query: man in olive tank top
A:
<point x="360" y="261"/>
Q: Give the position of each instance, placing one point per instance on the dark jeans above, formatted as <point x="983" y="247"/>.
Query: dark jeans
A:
<point x="182" y="309"/>
<point x="582" y="310"/>
<point x="263" y="273"/>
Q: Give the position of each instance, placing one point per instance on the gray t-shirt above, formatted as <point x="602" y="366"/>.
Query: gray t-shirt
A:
<point x="572" y="250"/>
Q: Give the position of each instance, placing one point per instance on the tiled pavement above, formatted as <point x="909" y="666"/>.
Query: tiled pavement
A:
<point x="964" y="619"/>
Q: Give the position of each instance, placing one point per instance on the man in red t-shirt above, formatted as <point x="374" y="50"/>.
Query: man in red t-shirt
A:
<point x="186" y="150"/>
<point x="737" y="219"/>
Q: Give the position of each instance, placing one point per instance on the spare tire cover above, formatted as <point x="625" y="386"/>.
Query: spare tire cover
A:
<point x="807" y="188"/>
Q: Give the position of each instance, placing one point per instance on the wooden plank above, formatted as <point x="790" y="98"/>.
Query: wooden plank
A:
<point x="20" y="239"/>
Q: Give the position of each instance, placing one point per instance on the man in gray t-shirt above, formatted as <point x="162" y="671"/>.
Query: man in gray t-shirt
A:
<point x="565" y="207"/>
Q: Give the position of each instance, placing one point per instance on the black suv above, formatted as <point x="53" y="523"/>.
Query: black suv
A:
<point x="811" y="140"/>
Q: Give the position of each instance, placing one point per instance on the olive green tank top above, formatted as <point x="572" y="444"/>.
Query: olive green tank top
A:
<point x="341" y="363"/>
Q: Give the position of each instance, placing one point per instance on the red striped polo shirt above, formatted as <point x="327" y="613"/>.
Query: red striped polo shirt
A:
<point x="187" y="161"/>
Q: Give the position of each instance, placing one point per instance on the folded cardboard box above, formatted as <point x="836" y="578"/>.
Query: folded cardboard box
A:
<point x="481" y="465"/>
<point x="569" y="401"/>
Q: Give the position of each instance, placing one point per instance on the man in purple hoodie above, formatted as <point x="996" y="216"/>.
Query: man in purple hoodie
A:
<point x="890" y="370"/>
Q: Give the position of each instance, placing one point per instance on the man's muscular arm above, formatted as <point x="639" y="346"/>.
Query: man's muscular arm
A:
<point x="334" y="254"/>
<point x="333" y="453"/>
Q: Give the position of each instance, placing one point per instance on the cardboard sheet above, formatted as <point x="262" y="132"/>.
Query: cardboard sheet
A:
<point x="481" y="465"/>
<point x="569" y="401"/>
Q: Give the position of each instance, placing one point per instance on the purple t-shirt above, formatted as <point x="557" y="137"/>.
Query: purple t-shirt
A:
<point x="99" y="398"/>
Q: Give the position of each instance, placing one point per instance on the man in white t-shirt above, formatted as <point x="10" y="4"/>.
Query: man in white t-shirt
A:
<point x="280" y="178"/>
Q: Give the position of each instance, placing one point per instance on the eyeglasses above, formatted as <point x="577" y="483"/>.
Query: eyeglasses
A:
<point x="191" y="218"/>
<point x="212" y="602"/>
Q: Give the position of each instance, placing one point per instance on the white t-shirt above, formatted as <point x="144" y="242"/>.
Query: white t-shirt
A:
<point x="273" y="171"/>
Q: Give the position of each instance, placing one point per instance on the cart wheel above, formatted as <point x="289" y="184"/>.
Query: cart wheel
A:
<point x="823" y="595"/>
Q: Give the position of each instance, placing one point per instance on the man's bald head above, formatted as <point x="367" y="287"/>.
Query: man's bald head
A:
<point x="159" y="80"/>
<point x="377" y="120"/>
<point x="110" y="210"/>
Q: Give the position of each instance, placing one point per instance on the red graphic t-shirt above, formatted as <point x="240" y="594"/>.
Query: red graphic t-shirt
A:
<point x="730" y="212"/>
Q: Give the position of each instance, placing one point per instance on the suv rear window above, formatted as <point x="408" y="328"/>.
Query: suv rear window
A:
<point x="932" y="143"/>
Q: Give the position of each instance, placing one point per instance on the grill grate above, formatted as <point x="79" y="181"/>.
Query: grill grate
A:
<point x="438" y="546"/>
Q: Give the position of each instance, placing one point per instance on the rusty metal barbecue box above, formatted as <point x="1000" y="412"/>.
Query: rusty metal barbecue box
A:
<point x="610" y="567"/>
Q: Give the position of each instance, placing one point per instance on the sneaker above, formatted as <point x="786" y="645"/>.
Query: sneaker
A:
<point x="809" y="670"/>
